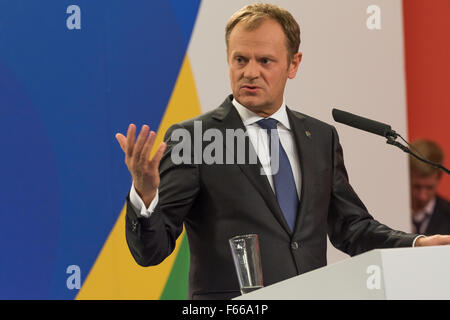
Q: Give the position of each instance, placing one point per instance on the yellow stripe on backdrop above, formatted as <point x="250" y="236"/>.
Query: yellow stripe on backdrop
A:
<point x="115" y="274"/>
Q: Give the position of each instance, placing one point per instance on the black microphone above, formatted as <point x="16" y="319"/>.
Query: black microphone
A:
<point x="381" y="129"/>
<point x="365" y="124"/>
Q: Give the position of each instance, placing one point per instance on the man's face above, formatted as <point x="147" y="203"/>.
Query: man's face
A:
<point x="423" y="189"/>
<point x="258" y="66"/>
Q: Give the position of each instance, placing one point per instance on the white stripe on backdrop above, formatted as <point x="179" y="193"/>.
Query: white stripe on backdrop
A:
<point x="344" y="65"/>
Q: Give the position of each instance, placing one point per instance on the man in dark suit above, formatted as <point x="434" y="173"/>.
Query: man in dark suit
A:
<point x="430" y="212"/>
<point x="292" y="208"/>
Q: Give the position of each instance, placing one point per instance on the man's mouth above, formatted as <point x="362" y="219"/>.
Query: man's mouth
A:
<point x="250" y="87"/>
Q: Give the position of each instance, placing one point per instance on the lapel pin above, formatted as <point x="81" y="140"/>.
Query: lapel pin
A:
<point x="308" y="134"/>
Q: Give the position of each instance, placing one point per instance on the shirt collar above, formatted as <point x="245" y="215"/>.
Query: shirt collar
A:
<point x="249" y="117"/>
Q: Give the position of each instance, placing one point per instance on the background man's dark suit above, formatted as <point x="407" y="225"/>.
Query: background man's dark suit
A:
<point x="440" y="219"/>
<point x="217" y="202"/>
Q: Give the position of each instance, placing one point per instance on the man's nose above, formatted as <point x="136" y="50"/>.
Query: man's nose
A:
<point x="251" y="70"/>
<point x="423" y="195"/>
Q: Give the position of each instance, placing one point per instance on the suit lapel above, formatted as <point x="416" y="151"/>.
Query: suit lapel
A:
<point x="229" y="119"/>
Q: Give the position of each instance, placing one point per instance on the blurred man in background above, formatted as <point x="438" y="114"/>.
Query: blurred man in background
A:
<point x="430" y="212"/>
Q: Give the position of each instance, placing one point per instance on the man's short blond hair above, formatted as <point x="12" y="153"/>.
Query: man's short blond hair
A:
<point x="253" y="15"/>
<point x="431" y="151"/>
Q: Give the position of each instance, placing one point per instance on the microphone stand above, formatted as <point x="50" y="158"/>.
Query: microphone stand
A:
<point x="392" y="135"/>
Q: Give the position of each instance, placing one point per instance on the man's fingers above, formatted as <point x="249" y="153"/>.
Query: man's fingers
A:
<point x="139" y="150"/>
<point x="444" y="240"/>
<point x="122" y="141"/>
<point x="158" y="155"/>
<point x="434" y="240"/>
<point x="145" y="155"/>
<point x="142" y="138"/>
<point x="131" y="133"/>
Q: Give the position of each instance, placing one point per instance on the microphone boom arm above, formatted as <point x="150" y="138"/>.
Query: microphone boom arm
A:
<point x="391" y="141"/>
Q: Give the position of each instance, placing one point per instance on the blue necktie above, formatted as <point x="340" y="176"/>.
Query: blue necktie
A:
<point x="283" y="180"/>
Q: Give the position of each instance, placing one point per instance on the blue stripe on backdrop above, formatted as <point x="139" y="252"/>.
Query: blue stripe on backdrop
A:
<point x="63" y="95"/>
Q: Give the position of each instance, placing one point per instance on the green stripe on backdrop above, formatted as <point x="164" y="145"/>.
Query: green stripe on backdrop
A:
<point x="176" y="287"/>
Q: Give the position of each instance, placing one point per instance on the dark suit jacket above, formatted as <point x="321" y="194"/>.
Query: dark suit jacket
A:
<point x="217" y="202"/>
<point x="440" y="219"/>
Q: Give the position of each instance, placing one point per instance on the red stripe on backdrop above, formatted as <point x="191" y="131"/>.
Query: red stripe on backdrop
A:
<point x="427" y="63"/>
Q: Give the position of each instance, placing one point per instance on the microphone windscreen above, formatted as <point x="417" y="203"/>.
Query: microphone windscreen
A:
<point x="361" y="123"/>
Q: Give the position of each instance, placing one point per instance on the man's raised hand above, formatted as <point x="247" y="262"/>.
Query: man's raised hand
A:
<point x="143" y="169"/>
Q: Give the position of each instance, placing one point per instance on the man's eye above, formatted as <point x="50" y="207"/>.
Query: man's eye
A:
<point x="239" y="60"/>
<point x="265" y="61"/>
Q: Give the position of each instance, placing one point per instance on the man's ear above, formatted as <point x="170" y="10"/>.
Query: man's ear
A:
<point x="293" y="66"/>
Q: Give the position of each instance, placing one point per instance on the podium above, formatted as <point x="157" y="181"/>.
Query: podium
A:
<point x="384" y="274"/>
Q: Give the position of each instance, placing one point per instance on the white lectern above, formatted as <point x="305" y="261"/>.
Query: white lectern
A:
<point x="400" y="273"/>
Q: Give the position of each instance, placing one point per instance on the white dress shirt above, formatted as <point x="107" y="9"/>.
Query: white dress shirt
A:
<point x="260" y="140"/>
